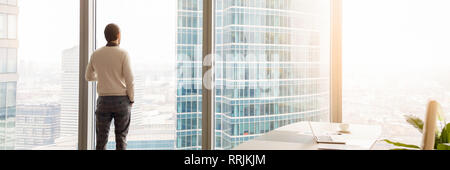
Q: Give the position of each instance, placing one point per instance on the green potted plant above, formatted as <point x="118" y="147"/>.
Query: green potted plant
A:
<point x="442" y="136"/>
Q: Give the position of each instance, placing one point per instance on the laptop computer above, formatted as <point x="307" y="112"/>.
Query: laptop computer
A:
<point x="324" y="139"/>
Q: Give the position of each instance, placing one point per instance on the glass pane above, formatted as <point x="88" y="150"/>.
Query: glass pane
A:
<point x="12" y="60"/>
<point x="395" y="62"/>
<point x="3" y="26"/>
<point x="41" y="109"/>
<point x="272" y="66"/>
<point x="149" y="34"/>
<point x="12" y="2"/>
<point x="12" y="26"/>
<point x="3" y="60"/>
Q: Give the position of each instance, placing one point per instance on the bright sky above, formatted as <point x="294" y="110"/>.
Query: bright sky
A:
<point x="149" y="29"/>
<point x="399" y="34"/>
<point x="396" y="35"/>
<point x="46" y="28"/>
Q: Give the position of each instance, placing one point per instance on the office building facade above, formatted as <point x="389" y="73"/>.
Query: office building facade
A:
<point x="37" y="126"/>
<point x="268" y="69"/>
<point x="189" y="74"/>
<point x="8" y="72"/>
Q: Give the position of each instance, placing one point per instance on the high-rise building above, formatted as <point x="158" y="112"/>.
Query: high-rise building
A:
<point x="37" y="125"/>
<point x="69" y="91"/>
<point x="189" y="74"/>
<point x="268" y="69"/>
<point x="8" y="72"/>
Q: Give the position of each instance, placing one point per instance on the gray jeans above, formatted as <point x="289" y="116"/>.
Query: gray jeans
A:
<point x="109" y="108"/>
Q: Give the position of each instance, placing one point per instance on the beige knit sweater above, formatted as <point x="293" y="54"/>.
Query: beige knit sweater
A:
<point x="111" y="68"/>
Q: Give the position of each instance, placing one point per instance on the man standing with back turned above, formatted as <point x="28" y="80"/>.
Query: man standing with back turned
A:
<point x="110" y="66"/>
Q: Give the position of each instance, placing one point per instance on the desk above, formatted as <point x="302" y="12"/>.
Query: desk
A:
<point x="299" y="137"/>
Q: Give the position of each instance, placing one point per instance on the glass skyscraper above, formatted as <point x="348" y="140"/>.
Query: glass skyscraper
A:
<point x="269" y="68"/>
<point x="8" y="72"/>
<point x="189" y="74"/>
<point x="69" y="96"/>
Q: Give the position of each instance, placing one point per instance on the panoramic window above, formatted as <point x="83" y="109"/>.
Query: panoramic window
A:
<point x="394" y="62"/>
<point x="39" y="74"/>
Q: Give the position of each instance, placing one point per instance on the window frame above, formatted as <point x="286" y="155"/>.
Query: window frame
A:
<point x="86" y="130"/>
<point x="336" y="61"/>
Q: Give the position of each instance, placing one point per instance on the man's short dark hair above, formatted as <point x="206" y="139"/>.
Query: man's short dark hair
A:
<point x="111" y="32"/>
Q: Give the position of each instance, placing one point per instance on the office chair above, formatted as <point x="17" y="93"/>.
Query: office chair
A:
<point x="429" y="128"/>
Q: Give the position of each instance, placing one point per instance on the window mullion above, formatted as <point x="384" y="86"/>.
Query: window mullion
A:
<point x="86" y="93"/>
<point x="336" y="61"/>
<point x="208" y="101"/>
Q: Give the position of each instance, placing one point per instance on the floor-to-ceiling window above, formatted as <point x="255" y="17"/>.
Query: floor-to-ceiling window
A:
<point x="395" y="59"/>
<point x="164" y="82"/>
<point x="39" y="74"/>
